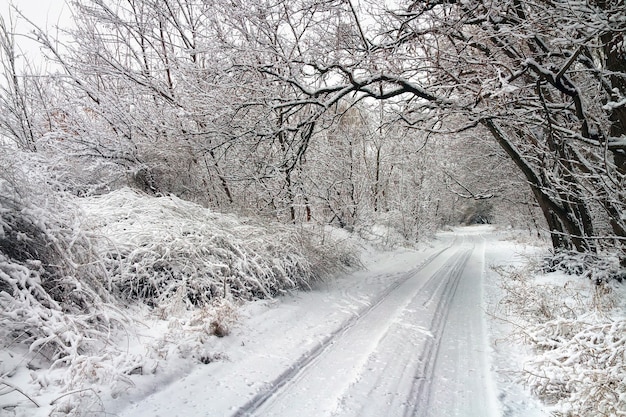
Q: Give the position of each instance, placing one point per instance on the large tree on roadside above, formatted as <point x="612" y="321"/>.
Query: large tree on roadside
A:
<point x="550" y="93"/>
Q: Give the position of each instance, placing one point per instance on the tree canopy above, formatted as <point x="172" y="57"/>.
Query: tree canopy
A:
<point x="243" y="103"/>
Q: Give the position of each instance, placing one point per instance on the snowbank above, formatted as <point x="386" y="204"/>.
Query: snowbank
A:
<point x="81" y="277"/>
<point x="156" y="247"/>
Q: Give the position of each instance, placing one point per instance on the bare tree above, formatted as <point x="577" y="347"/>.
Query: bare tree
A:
<point x="16" y="122"/>
<point x="550" y="96"/>
<point x="236" y="105"/>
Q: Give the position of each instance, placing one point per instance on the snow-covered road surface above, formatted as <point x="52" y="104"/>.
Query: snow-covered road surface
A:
<point x="406" y="338"/>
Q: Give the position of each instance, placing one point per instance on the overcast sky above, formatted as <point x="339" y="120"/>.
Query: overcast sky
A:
<point x="47" y="14"/>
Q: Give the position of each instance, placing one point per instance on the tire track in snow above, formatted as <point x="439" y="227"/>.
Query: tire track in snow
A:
<point x="291" y="373"/>
<point x="401" y="386"/>
<point x="420" y="393"/>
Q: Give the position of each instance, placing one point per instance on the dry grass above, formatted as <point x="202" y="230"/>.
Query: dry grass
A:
<point x="578" y="334"/>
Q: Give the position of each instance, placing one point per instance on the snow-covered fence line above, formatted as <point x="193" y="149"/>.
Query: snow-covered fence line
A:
<point x="154" y="247"/>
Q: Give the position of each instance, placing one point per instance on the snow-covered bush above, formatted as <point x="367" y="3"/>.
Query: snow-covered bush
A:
<point x="155" y="247"/>
<point x="71" y="266"/>
<point x="600" y="267"/>
<point x="330" y="249"/>
<point x="578" y="334"/>
<point x="393" y="229"/>
<point x="581" y="365"/>
<point x="51" y="292"/>
<point x="55" y="309"/>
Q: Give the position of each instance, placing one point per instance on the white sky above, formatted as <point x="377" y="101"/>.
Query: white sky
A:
<point x="47" y="14"/>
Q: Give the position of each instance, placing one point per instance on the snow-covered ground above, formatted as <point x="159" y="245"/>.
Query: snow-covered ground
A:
<point x="460" y="327"/>
<point x="410" y="336"/>
<point x="507" y="353"/>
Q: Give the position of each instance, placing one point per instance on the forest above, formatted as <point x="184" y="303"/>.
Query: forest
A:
<point x="337" y="113"/>
<point x="153" y="141"/>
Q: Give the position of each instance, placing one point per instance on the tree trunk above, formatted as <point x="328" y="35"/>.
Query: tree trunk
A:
<point x="568" y="224"/>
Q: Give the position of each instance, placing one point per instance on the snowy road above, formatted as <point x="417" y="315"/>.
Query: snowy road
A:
<point x="405" y="340"/>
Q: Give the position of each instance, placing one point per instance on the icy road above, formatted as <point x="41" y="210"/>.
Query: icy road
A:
<point x="406" y="338"/>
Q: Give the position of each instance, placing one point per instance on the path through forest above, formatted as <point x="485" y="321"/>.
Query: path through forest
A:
<point x="408" y="337"/>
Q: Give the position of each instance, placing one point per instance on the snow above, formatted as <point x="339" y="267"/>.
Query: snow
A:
<point x="429" y="332"/>
<point x="412" y="326"/>
<point x="507" y="353"/>
<point x="612" y="105"/>
<point x="274" y="336"/>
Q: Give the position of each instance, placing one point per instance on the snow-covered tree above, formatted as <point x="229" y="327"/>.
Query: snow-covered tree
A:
<point x="545" y="79"/>
<point x="19" y="92"/>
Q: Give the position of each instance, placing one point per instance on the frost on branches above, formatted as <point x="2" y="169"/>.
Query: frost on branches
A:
<point x="52" y="296"/>
<point x="73" y="271"/>
<point x="56" y="313"/>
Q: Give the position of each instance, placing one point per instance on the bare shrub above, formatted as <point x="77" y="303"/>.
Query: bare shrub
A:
<point x="579" y="340"/>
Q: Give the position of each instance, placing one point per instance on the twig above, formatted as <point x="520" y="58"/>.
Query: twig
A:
<point x="14" y="387"/>
<point x="73" y="392"/>
<point x="521" y="328"/>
